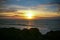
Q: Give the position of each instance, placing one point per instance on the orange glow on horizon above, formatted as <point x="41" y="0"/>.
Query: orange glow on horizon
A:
<point x="28" y="14"/>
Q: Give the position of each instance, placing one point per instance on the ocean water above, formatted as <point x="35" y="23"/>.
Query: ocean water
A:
<point x="44" y="25"/>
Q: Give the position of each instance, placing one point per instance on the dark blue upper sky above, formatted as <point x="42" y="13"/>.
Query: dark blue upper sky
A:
<point x="34" y="3"/>
<point x="27" y="2"/>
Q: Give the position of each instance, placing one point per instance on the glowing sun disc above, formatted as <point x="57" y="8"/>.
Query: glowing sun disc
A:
<point x="29" y="15"/>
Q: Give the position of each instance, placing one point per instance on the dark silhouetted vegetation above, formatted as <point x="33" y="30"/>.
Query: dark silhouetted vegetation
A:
<point x="27" y="34"/>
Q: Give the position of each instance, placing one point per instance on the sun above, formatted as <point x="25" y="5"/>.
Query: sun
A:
<point x="29" y="14"/>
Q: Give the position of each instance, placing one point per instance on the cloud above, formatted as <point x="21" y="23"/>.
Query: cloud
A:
<point x="16" y="7"/>
<point x="2" y="0"/>
<point x="42" y="7"/>
<point x="41" y="10"/>
<point x="12" y="8"/>
<point x="46" y="7"/>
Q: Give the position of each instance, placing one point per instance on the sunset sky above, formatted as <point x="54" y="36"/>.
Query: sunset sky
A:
<point x="21" y="8"/>
<point x="45" y="14"/>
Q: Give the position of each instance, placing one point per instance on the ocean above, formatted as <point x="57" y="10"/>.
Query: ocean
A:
<point x="44" y="25"/>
